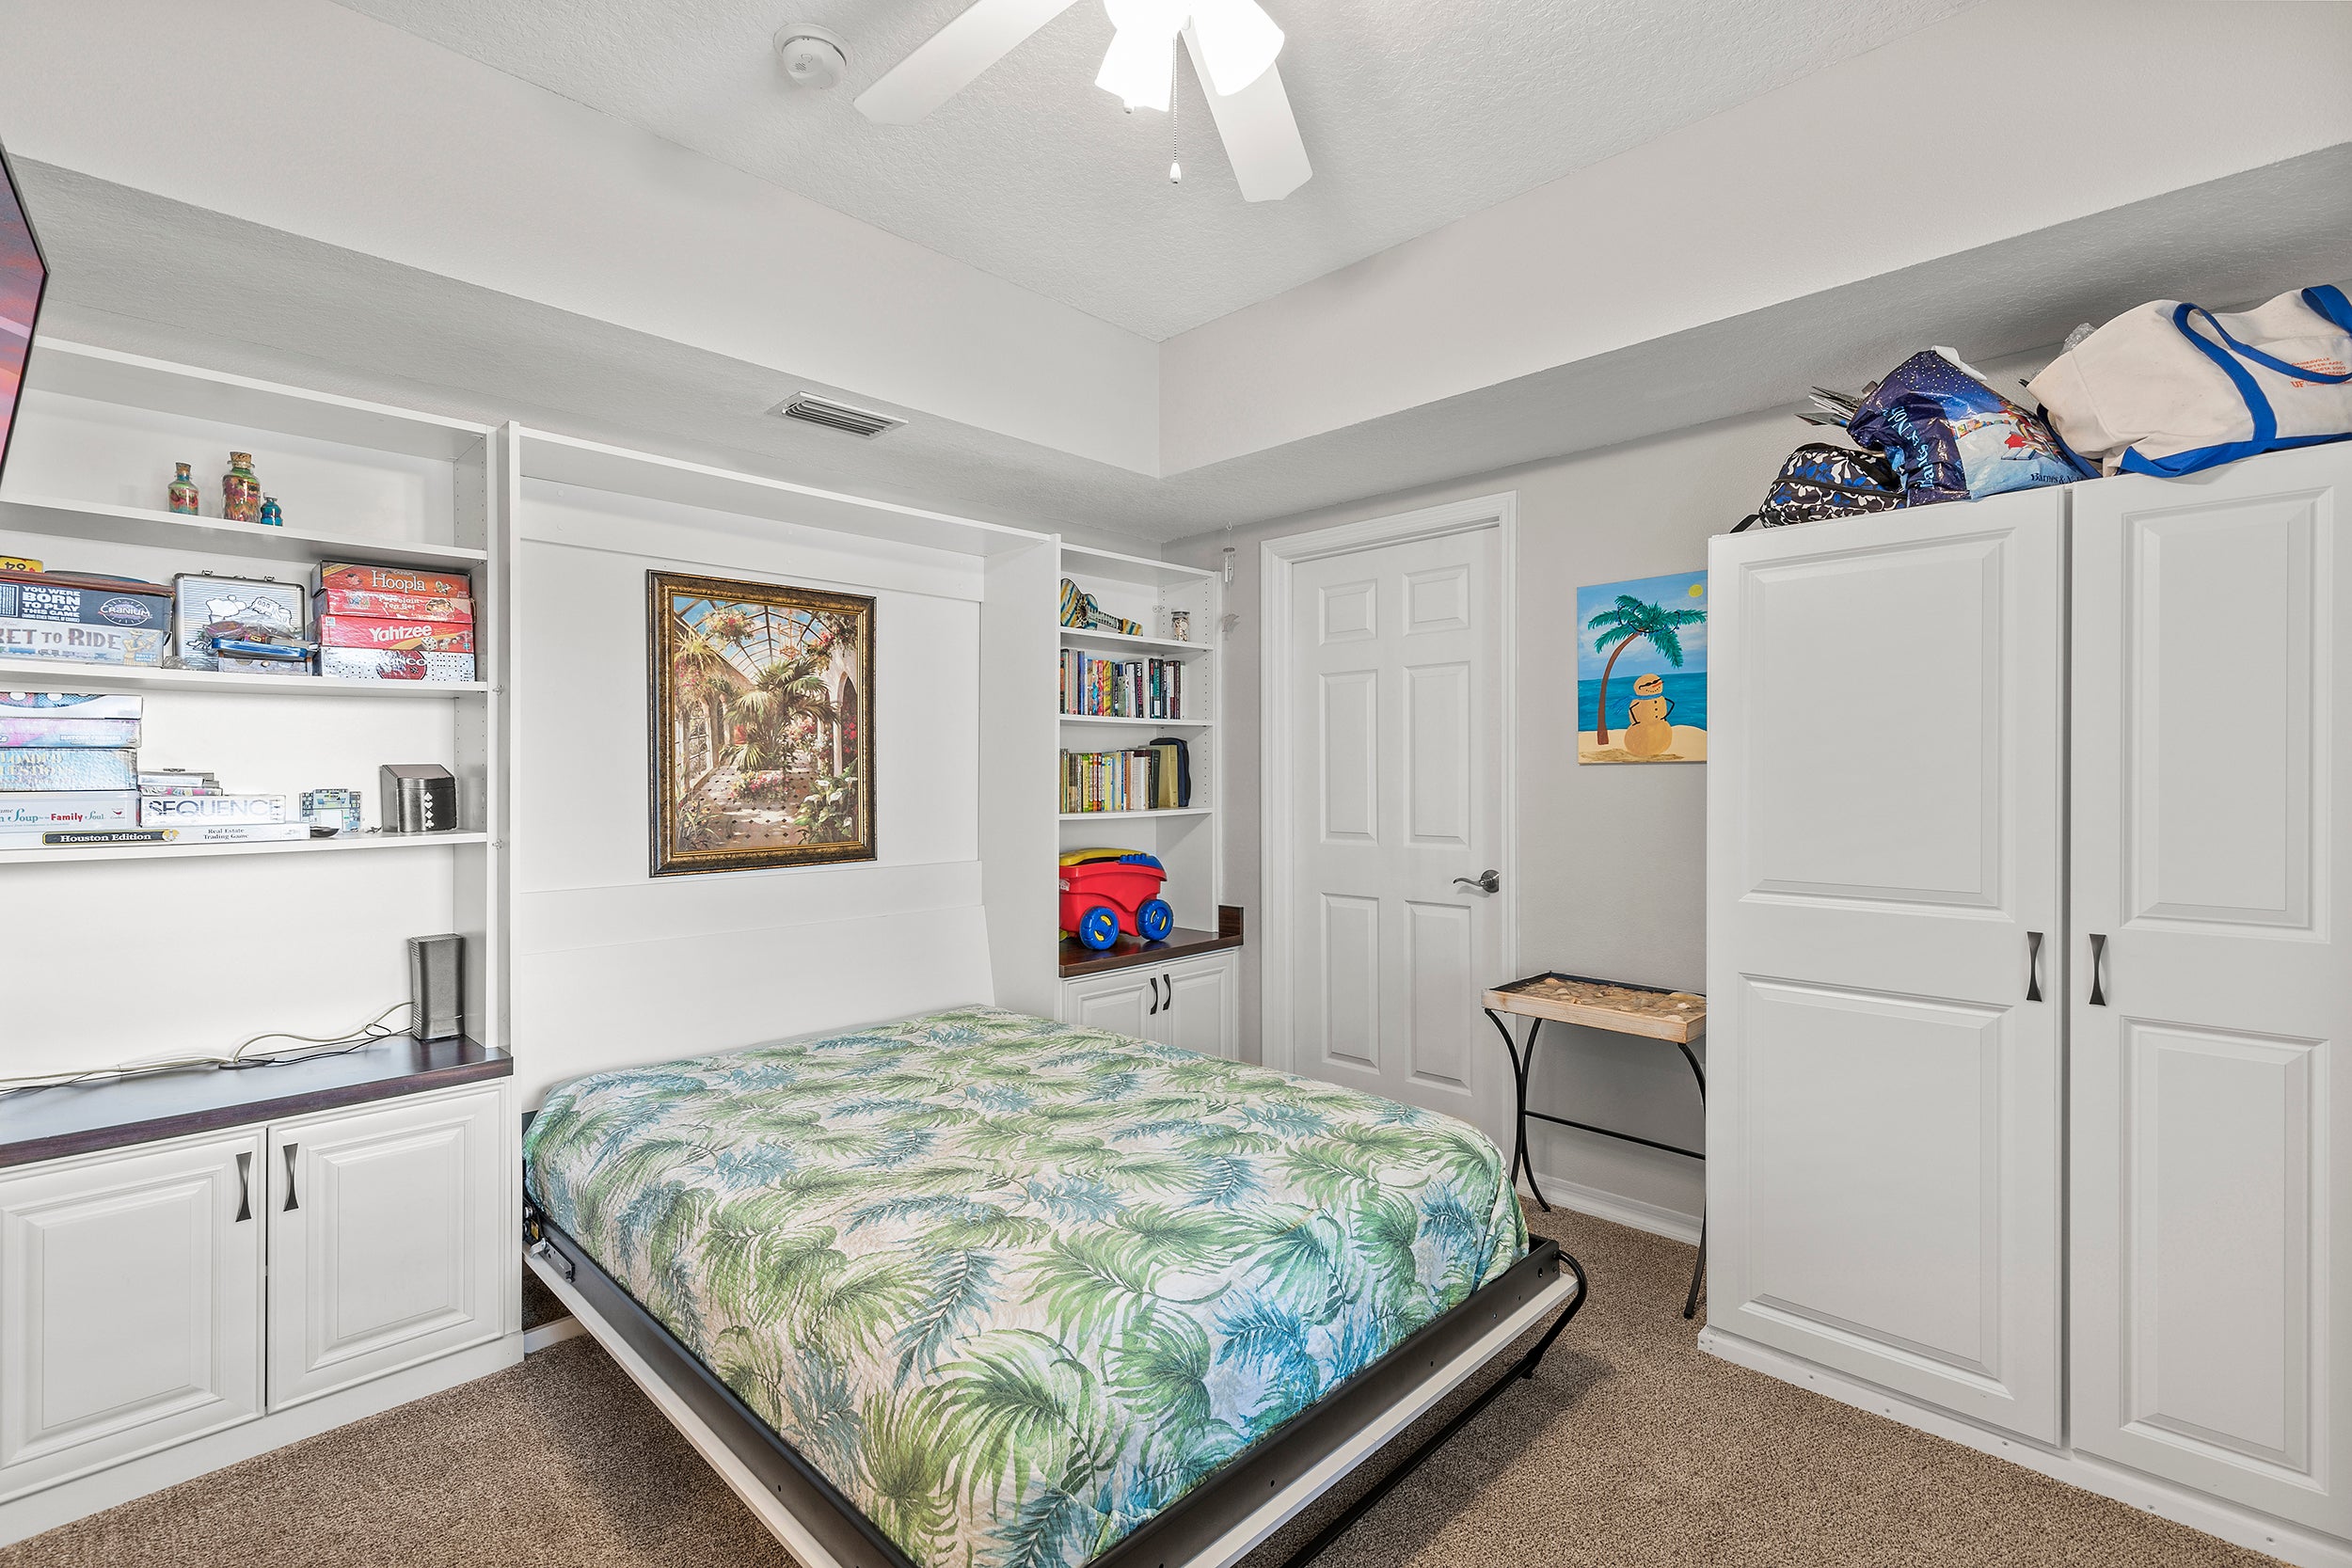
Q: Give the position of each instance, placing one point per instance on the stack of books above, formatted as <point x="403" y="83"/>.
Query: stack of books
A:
<point x="1146" y="778"/>
<point x="1122" y="689"/>
<point x="70" y="775"/>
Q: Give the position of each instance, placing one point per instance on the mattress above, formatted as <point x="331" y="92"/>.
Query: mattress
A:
<point x="1013" y="1286"/>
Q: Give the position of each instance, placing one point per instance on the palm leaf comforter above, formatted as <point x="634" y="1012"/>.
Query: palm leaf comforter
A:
<point x="1016" y="1286"/>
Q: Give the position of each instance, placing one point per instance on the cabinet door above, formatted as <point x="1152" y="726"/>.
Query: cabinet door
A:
<point x="130" y="1306"/>
<point x="1125" y="1002"/>
<point x="386" y="1228"/>
<point x="1201" y="1009"/>
<point x="1885" y="811"/>
<point x="2211" y="1239"/>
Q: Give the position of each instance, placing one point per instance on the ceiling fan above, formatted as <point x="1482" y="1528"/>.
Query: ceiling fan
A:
<point x="1233" y="44"/>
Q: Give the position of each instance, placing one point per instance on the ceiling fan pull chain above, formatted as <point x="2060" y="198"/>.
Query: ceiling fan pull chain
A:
<point x="1175" y="169"/>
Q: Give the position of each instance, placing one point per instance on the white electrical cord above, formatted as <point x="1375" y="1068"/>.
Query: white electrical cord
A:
<point x="311" y="1045"/>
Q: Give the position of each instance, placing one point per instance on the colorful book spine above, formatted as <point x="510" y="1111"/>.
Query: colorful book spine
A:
<point x="34" y="730"/>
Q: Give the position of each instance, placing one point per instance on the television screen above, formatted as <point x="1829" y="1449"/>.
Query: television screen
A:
<point x="23" y="276"/>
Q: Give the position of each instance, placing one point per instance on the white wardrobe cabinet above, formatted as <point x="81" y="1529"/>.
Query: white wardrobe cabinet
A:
<point x="2026" y="823"/>
<point x="387" y="1230"/>
<point x="1886" y="748"/>
<point x="2211" y="1235"/>
<point x="1192" y="1003"/>
<point x="130" y="1305"/>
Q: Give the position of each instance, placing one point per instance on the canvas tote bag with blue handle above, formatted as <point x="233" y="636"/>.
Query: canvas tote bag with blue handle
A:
<point x="2171" y="387"/>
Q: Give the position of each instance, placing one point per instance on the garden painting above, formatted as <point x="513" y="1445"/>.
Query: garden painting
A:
<point x="1640" y="670"/>
<point x="761" y="736"/>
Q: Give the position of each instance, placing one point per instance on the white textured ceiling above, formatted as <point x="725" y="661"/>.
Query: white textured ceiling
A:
<point x="1415" y="113"/>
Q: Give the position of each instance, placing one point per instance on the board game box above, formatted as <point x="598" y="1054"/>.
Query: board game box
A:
<point x="82" y="644"/>
<point x="113" y="808"/>
<point x="67" y="767"/>
<point x="393" y="579"/>
<point x="394" y="664"/>
<point x="359" y="631"/>
<point x="89" y="601"/>
<point x="177" y="811"/>
<point x="445" y="609"/>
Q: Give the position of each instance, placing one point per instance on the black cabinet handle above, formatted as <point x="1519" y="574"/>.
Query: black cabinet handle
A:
<point x="2033" y="966"/>
<point x="245" y="1188"/>
<point x="1154" y="981"/>
<point x="1171" y="994"/>
<point x="292" y="1200"/>
<point x="2098" y="962"/>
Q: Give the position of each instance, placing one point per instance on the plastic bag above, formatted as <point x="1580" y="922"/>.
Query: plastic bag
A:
<point x="1952" y="437"/>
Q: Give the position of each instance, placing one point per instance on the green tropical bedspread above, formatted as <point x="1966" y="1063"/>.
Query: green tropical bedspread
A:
<point x="1016" y="1286"/>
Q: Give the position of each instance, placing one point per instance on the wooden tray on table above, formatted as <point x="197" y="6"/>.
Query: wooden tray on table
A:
<point x="1675" y="1016"/>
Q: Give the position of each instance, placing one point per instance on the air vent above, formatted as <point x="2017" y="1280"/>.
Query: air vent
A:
<point x="813" y="410"/>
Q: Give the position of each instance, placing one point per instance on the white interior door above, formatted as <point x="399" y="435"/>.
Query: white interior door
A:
<point x="1884" y="830"/>
<point x="1393" y="673"/>
<point x="2212" y="1261"/>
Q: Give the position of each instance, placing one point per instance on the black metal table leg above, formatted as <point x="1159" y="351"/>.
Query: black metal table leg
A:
<point x="1520" y="1062"/>
<point x="1698" y="1268"/>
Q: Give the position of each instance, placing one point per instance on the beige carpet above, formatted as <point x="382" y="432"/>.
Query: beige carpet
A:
<point x="1629" y="1449"/>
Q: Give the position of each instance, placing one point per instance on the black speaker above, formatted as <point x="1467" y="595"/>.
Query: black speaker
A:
<point x="437" y="987"/>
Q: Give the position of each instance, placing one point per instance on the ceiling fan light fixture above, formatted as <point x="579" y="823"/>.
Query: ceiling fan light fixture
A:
<point x="1138" y="67"/>
<point x="1238" y="41"/>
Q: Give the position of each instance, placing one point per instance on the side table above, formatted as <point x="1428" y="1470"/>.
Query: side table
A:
<point x="1676" y="1017"/>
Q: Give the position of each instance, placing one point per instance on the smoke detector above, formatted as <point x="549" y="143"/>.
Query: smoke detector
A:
<point x="813" y="58"/>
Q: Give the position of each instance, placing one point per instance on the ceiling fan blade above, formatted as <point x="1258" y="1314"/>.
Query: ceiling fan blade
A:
<point x="952" y="58"/>
<point x="1261" y="134"/>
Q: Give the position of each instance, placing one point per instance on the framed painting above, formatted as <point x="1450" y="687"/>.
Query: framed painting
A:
<point x="1640" y="670"/>
<point x="761" y="735"/>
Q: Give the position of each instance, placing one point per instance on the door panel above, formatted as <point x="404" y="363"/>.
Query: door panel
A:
<point x="2212" y="1275"/>
<point x="1393" y="679"/>
<point x="1119" y="1002"/>
<point x="130" y="1307"/>
<point x="384" y="1240"/>
<point x="1203" y="1010"/>
<point x="1885" y="799"/>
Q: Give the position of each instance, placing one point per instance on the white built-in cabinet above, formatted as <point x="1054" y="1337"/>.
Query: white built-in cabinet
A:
<point x="130" y="1305"/>
<point x="159" y="1295"/>
<point x="1191" y="1003"/>
<point x="388" y="1233"/>
<point x="2025" y="824"/>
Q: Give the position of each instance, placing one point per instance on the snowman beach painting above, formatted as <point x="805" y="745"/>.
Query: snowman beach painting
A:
<point x="1640" y="670"/>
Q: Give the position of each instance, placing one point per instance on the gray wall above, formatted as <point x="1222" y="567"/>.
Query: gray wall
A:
<point x="1611" y="859"/>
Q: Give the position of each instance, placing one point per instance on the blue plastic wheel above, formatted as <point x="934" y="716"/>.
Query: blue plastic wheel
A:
<point x="1156" y="919"/>
<point x="1099" y="926"/>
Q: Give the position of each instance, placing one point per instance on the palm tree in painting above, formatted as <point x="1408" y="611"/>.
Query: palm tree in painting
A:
<point x="782" y="691"/>
<point x="1627" y="623"/>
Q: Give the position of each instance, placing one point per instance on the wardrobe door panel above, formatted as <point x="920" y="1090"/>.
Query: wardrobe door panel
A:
<point x="2212" y="1304"/>
<point x="1886" y="806"/>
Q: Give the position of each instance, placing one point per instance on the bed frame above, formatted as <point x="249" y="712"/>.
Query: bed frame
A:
<point x="1213" y="1526"/>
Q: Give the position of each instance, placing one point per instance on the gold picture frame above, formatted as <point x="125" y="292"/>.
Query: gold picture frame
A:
<point x="759" y="731"/>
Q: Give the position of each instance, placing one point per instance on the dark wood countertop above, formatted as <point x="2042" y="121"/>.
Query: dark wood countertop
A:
<point x="1128" y="953"/>
<point x="81" y="1118"/>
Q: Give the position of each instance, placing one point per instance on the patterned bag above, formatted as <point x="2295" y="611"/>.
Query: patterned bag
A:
<point x="1952" y="437"/>
<point x="1825" y="480"/>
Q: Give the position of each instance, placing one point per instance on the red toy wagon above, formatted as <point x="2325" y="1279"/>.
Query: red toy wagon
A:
<point x="1104" y="892"/>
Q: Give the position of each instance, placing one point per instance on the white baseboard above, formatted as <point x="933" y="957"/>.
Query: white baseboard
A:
<point x="2238" y="1526"/>
<point x="538" y="1337"/>
<point x="72" y="1500"/>
<point x="1673" y="1223"/>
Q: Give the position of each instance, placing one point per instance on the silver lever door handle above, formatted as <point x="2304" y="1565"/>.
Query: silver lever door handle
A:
<point x="2098" y="962"/>
<point x="1485" y="882"/>
<point x="2033" y="966"/>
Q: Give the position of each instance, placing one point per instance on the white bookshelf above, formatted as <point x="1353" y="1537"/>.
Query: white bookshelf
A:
<point x="309" y="935"/>
<point x="1139" y="589"/>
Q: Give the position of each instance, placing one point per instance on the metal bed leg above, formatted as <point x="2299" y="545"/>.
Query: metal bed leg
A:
<point x="1524" y="1370"/>
<point x="1698" y="1268"/>
<point x="1520" y="1066"/>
